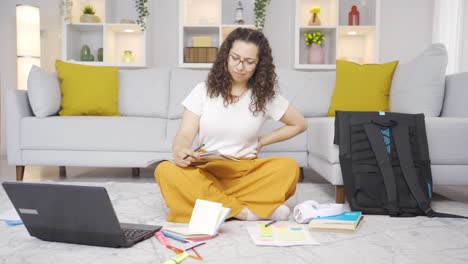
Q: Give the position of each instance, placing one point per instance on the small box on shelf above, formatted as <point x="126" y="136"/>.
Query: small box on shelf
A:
<point x="200" y="54"/>
<point x="201" y="41"/>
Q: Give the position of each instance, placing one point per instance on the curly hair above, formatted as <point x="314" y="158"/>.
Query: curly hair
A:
<point x="262" y="83"/>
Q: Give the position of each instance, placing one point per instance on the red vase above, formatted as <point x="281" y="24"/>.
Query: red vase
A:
<point x="315" y="54"/>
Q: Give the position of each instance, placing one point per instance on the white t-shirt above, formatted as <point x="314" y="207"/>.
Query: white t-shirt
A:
<point x="233" y="130"/>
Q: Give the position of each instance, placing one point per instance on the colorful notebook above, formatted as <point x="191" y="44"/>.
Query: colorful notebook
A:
<point x="280" y="235"/>
<point x="347" y="221"/>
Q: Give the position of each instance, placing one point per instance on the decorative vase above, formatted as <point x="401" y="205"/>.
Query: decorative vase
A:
<point x="87" y="18"/>
<point x="353" y="16"/>
<point x="127" y="57"/>
<point x="85" y="54"/>
<point x="314" y="20"/>
<point x="100" y="54"/>
<point x="315" y="54"/>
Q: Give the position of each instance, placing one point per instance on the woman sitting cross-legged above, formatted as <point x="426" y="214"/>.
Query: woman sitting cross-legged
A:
<point x="227" y="112"/>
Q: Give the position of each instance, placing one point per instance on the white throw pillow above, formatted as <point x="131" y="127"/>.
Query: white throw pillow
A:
<point x="43" y="92"/>
<point x="419" y="86"/>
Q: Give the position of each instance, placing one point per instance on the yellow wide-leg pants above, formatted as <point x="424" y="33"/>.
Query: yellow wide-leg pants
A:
<point x="258" y="184"/>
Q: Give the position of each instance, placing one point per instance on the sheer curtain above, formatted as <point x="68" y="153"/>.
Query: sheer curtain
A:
<point x="448" y="29"/>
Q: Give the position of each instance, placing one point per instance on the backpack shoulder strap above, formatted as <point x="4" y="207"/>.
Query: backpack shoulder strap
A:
<point x="402" y="142"/>
<point x="383" y="161"/>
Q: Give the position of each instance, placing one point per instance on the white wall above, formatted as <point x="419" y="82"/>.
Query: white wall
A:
<point x="406" y="29"/>
<point x="464" y="48"/>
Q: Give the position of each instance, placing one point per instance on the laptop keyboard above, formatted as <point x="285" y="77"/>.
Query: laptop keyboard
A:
<point x="133" y="234"/>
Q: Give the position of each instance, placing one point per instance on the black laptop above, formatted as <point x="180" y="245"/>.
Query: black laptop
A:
<point x="73" y="214"/>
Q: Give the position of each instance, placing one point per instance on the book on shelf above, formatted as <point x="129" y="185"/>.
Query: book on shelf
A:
<point x="346" y="222"/>
<point x="205" y="222"/>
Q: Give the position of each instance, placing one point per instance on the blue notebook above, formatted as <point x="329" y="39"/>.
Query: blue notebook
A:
<point x="346" y="216"/>
<point x="347" y="221"/>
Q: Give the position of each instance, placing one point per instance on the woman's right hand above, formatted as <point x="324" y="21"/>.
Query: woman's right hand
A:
<point x="179" y="154"/>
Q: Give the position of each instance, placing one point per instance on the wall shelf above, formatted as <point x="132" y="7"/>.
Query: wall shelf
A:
<point x="111" y="35"/>
<point x="209" y="18"/>
<point x="359" y="44"/>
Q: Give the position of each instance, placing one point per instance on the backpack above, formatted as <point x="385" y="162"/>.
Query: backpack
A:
<point x="385" y="163"/>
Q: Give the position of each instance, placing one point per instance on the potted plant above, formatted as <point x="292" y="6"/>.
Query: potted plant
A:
<point x="88" y="15"/>
<point x="314" y="41"/>
<point x="143" y="12"/>
<point x="314" y="19"/>
<point x="260" y="13"/>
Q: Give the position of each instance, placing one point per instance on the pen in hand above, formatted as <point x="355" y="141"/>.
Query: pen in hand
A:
<point x="195" y="150"/>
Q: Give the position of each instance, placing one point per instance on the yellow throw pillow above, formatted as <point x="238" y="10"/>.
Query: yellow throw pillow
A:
<point x="88" y="90"/>
<point x="362" y="87"/>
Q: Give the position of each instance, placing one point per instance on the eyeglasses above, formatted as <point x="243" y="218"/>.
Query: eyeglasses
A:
<point x="249" y="64"/>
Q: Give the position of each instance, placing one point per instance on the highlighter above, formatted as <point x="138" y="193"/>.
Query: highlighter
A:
<point x="177" y="259"/>
<point x="162" y="238"/>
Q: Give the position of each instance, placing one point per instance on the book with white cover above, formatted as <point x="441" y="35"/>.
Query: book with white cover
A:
<point x="207" y="217"/>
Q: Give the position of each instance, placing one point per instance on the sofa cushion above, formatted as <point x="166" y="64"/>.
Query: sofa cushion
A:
<point x="446" y="136"/>
<point x="418" y="86"/>
<point x="43" y="92"/>
<point x="309" y="92"/>
<point x="320" y="135"/>
<point x="144" y="92"/>
<point x="93" y="133"/>
<point x="182" y="82"/>
<point x="456" y="94"/>
<point x="88" y="90"/>
<point x="361" y="87"/>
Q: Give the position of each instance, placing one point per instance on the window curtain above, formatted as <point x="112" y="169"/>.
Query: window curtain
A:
<point x="448" y="29"/>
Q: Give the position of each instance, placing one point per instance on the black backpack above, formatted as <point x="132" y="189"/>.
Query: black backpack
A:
<point x="385" y="163"/>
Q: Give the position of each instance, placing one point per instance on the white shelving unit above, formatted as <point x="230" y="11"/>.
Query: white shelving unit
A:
<point x="111" y="35"/>
<point x="213" y="18"/>
<point x="353" y="43"/>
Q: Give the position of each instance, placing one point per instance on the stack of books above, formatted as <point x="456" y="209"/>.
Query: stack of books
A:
<point x="345" y="222"/>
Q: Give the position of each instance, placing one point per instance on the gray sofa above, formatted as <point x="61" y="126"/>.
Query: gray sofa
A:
<point x="149" y="101"/>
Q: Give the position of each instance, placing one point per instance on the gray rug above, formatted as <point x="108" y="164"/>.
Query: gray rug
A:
<point x="380" y="239"/>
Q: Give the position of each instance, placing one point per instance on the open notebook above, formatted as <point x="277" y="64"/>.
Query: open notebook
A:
<point x="207" y="217"/>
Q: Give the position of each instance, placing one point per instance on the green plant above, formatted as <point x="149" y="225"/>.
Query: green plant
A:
<point x="89" y="10"/>
<point x="142" y="10"/>
<point x="315" y="10"/>
<point x="66" y="10"/>
<point x="314" y="37"/>
<point x="260" y="13"/>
